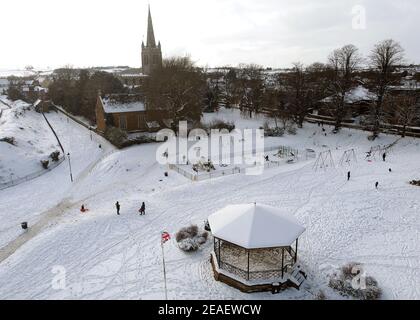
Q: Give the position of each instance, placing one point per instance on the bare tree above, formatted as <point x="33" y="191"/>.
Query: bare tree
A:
<point x="385" y="56"/>
<point x="277" y="107"/>
<point x="402" y="110"/>
<point x="343" y="63"/>
<point x="304" y="86"/>
<point x="178" y="88"/>
<point x="251" y="83"/>
<point x="298" y="93"/>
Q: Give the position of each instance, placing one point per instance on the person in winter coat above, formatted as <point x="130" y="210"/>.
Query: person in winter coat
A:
<point x="117" y="205"/>
<point x="376" y="185"/>
<point x="348" y="175"/>
<point x="143" y="209"/>
<point x="384" y="157"/>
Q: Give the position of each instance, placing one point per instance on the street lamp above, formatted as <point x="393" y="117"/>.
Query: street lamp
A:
<point x="71" y="174"/>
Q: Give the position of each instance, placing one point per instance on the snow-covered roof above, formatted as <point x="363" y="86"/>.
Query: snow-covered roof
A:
<point x="40" y="89"/>
<point x="122" y="104"/>
<point x="254" y="226"/>
<point x="355" y="95"/>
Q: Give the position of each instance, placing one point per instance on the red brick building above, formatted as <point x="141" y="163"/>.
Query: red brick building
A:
<point x="128" y="112"/>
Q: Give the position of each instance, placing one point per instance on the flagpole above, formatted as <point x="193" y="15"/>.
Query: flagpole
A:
<point x="164" y="269"/>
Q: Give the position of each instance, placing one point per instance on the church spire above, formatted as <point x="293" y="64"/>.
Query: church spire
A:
<point x="151" y="42"/>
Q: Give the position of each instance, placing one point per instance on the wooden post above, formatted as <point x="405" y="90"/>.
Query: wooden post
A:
<point x="248" y="265"/>
<point x="164" y="271"/>
<point x="296" y="250"/>
<point x="282" y="263"/>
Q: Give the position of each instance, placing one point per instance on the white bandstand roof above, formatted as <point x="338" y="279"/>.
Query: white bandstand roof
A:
<point x="255" y="226"/>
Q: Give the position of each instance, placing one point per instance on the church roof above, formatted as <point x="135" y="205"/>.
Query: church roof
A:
<point x="151" y="42"/>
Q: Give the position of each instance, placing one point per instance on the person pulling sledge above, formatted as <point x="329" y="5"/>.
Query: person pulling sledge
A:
<point x="83" y="209"/>
<point x="142" y="209"/>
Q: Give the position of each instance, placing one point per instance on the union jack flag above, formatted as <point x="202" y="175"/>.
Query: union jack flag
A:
<point x="165" y="236"/>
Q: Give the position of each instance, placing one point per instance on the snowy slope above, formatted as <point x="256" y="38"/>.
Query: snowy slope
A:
<point x="108" y="256"/>
<point x="28" y="201"/>
<point x="34" y="141"/>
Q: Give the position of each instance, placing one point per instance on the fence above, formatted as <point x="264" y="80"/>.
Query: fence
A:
<point x="15" y="182"/>
<point x="283" y="152"/>
<point x="253" y="275"/>
<point x="385" y="128"/>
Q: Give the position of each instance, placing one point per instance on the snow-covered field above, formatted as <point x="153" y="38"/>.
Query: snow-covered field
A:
<point x="106" y="256"/>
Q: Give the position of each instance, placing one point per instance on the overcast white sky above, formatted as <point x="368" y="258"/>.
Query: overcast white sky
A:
<point x="83" y="33"/>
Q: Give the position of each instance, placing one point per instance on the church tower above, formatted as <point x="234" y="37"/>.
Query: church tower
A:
<point x="151" y="54"/>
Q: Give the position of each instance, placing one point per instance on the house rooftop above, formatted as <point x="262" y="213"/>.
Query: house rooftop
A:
<point x="355" y="95"/>
<point x="123" y="103"/>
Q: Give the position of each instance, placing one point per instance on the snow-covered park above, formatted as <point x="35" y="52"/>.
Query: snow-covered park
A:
<point x="105" y="256"/>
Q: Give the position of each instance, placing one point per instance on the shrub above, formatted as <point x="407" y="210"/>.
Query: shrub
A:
<point x="291" y="130"/>
<point x="274" y="132"/>
<point x="45" y="164"/>
<point x="206" y="166"/>
<point x="320" y="296"/>
<point x="220" y="124"/>
<point x="9" y="140"/>
<point x="188" y="245"/>
<point x="190" y="238"/>
<point x="55" y="156"/>
<point x="342" y="282"/>
<point x="116" y="136"/>
<point x="187" y="232"/>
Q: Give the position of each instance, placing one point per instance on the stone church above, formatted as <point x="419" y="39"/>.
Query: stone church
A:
<point x="129" y="112"/>
<point x="151" y="54"/>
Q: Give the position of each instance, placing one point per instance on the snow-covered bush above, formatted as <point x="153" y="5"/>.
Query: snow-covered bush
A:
<point x="186" y="233"/>
<point x="55" y="156"/>
<point x="201" y="165"/>
<point x="190" y="238"/>
<point x="220" y="124"/>
<point x="9" y="140"/>
<point x="188" y="245"/>
<point x="343" y="283"/>
<point x="271" y="132"/>
<point x="45" y="164"/>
